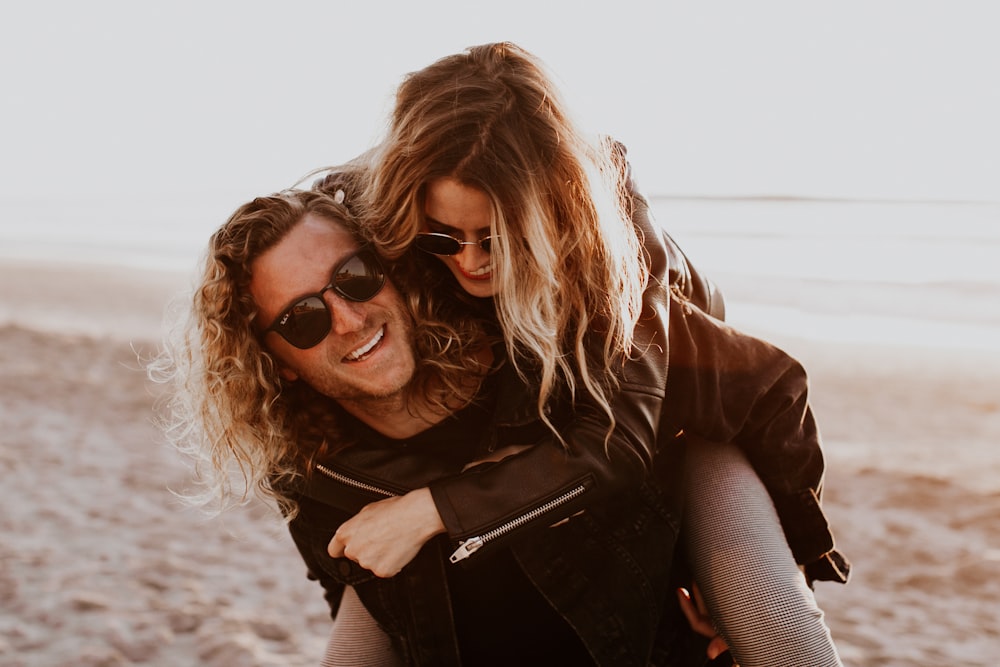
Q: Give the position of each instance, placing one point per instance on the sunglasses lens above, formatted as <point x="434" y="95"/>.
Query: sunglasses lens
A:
<point x="306" y="323"/>
<point x="360" y="278"/>
<point x="486" y="244"/>
<point x="437" y="244"/>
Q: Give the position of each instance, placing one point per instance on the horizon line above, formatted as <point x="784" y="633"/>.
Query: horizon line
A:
<point x="823" y="199"/>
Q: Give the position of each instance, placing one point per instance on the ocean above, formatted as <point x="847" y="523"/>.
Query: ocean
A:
<point x="915" y="273"/>
<point x="920" y="273"/>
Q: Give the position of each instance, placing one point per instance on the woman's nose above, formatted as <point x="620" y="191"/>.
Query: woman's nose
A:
<point x="472" y="254"/>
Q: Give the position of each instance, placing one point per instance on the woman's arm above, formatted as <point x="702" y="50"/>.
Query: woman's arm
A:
<point x="724" y="385"/>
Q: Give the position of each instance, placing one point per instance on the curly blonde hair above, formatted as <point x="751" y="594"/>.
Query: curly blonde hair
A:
<point x="247" y="429"/>
<point x="567" y="264"/>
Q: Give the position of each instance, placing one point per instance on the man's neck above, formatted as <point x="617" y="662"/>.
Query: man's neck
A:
<point x="409" y="412"/>
<point x="396" y="417"/>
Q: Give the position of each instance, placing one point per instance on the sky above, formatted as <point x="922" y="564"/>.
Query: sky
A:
<point x="874" y="99"/>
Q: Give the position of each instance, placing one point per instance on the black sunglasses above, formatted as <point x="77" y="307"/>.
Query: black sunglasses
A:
<point x="359" y="277"/>
<point x="444" y="244"/>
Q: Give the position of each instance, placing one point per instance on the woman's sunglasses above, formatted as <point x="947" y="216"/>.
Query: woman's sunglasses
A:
<point x="359" y="277"/>
<point x="443" y="244"/>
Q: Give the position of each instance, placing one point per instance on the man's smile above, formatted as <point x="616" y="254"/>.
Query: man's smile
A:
<point x="360" y="352"/>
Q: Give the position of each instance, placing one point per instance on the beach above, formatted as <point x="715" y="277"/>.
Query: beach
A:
<point x="827" y="166"/>
<point x="101" y="563"/>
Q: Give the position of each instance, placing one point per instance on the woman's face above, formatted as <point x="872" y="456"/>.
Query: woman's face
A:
<point x="464" y="212"/>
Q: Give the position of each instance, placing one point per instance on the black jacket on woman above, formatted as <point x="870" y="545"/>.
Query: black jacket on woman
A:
<point x="605" y="568"/>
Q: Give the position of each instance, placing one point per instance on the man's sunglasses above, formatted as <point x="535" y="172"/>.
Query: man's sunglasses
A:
<point x="444" y="244"/>
<point x="359" y="277"/>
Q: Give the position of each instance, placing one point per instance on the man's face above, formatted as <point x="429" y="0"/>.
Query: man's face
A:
<point x="368" y="354"/>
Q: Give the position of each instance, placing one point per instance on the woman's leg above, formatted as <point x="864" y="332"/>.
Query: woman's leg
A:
<point x="356" y="640"/>
<point x="741" y="561"/>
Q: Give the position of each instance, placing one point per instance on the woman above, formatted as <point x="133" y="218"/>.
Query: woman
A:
<point x="483" y="169"/>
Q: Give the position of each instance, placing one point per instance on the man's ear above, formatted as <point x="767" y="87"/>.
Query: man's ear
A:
<point x="287" y="374"/>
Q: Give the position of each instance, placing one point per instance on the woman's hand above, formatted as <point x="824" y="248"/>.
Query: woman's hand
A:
<point x="386" y="535"/>
<point x="693" y="606"/>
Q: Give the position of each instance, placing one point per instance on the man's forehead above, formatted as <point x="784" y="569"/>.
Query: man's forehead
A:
<point x="328" y="233"/>
<point x="300" y="263"/>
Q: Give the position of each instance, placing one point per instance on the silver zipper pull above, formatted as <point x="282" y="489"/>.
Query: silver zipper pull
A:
<point x="466" y="548"/>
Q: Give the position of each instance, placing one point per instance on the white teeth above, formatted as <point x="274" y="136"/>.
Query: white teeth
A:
<point x="366" y="348"/>
<point x="486" y="270"/>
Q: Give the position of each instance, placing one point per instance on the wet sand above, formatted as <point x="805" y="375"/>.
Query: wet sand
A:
<point x="100" y="564"/>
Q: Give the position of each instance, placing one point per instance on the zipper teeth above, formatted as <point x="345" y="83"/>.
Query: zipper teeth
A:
<point x="353" y="482"/>
<point x="538" y="511"/>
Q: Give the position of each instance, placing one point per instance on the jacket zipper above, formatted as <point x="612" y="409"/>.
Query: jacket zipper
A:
<point x="470" y="546"/>
<point x="350" y="481"/>
<point x="465" y="547"/>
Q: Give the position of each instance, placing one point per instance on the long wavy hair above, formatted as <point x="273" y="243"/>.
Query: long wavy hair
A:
<point x="567" y="266"/>
<point x="247" y="429"/>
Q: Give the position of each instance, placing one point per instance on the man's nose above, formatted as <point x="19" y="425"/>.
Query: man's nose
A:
<point x="347" y="316"/>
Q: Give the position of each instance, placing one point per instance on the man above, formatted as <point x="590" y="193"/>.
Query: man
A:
<point x="305" y="364"/>
<point x="312" y="375"/>
<point x="366" y="363"/>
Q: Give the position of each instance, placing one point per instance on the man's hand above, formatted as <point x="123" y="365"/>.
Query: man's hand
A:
<point x="693" y="606"/>
<point x="386" y="535"/>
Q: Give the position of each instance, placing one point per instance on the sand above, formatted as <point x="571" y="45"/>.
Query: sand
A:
<point x="100" y="564"/>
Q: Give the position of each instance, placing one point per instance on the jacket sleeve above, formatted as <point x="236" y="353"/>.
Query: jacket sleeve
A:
<point x="722" y="384"/>
<point x="727" y="386"/>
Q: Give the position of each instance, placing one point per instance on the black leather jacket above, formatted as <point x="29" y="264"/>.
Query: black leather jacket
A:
<point x="695" y="375"/>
